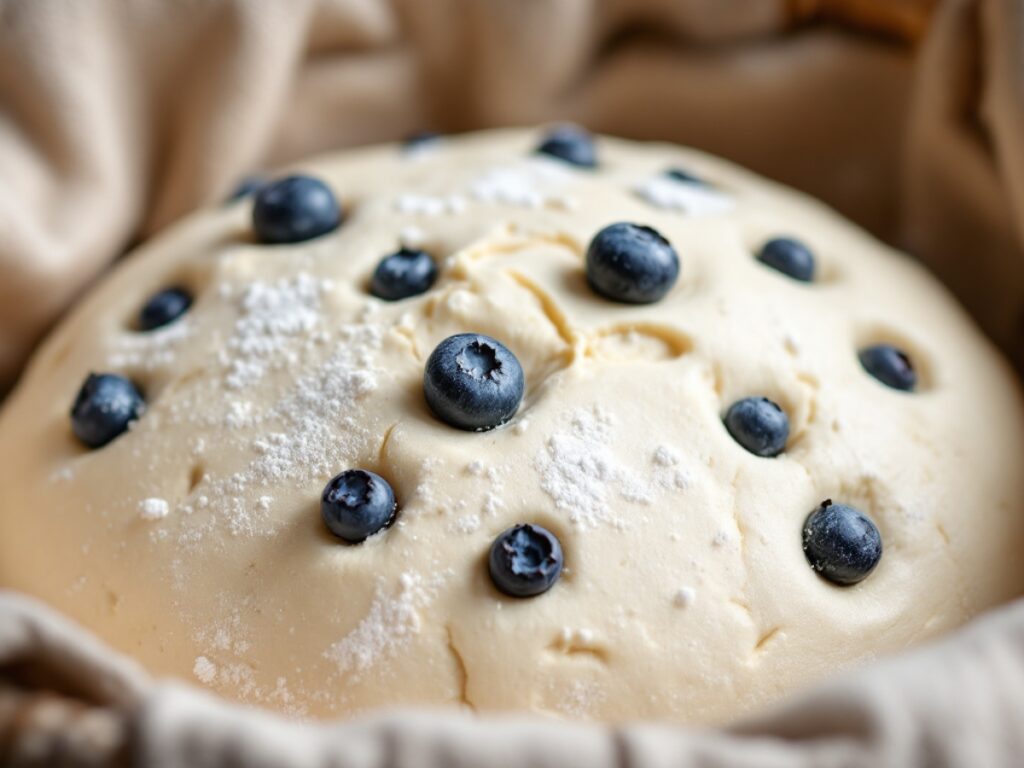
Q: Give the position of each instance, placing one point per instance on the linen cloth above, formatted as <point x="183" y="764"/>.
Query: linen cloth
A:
<point x="958" y="703"/>
<point x="117" y="117"/>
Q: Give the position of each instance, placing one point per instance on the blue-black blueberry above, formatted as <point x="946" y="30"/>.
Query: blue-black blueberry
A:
<point x="407" y="272"/>
<point x="679" y="174"/>
<point x="570" y="144"/>
<point x="163" y="308"/>
<point x="356" y="504"/>
<point x="106" y="404"/>
<point x="525" y="561"/>
<point x="473" y="382"/>
<point x="631" y="264"/>
<point x="294" y="209"/>
<point x="841" y="543"/>
<point x="788" y="256"/>
<point x="890" y="365"/>
<point x="759" y="425"/>
<point x="421" y="139"/>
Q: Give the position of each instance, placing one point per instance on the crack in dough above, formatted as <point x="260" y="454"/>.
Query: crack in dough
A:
<point x="462" y="673"/>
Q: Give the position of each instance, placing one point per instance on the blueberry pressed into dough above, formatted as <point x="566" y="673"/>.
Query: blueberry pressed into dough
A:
<point x="521" y="420"/>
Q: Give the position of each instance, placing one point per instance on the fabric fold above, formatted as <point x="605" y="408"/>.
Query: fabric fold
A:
<point x="957" y="702"/>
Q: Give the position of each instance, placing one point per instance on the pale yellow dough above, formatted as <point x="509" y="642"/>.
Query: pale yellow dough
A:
<point x="194" y="542"/>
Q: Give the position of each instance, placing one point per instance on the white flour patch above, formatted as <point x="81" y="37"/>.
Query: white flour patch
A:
<point x="667" y="471"/>
<point x="430" y="205"/>
<point x="151" y="350"/>
<point x="531" y="183"/>
<point x="579" y="471"/>
<point x="153" y="509"/>
<point x="579" y="699"/>
<point x="665" y="456"/>
<point x="468" y="523"/>
<point x="273" y="316"/>
<point x="240" y="413"/>
<point x="307" y="433"/>
<point x="391" y="623"/>
<point x="574" y="638"/>
<point x="62" y="475"/>
<point x="412" y="237"/>
<point x="684" y="597"/>
<point x="674" y="195"/>
<point x="319" y="412"/>
<point x="493" y="501"/>
<point x="204" y="670"/>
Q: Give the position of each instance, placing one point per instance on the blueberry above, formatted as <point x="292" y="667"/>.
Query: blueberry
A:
<point x="632" y="264"/>
<point x="571" y="144"/>
<point x="421" y="139"/>
<point x="525" y="561"/>
<point x="678" y="174"/>
<point x="788" y="256"/>
<point x="889" y="365"/>
<point x="357" y="504"/>
<point x="759" y="425"/>
<point x="163" y="308"/>
<point x="294" y="209"/>
<point x="407" y="272"/>
<point x="106" y="404"/>
<point x="473" y="382"/>
<point x="841" y="543"/>
<point x="247" y="186"/>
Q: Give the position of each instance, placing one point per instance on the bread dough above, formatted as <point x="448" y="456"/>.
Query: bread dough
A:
<point x="194" y="541"/>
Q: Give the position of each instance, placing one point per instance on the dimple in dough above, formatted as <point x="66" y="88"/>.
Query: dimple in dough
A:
<point x="686" y="594"/>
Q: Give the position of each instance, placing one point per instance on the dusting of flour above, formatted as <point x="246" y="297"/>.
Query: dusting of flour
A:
<point x="534" y="182"/>
<point x="204" y="670"/>
<point x="580" y="472"/>
<point x="674" y="195"/>
<point x="392" y="621"/>
<point x="153" y="509"/>
<point x="306" y="433"/>
<point x="272" y="316"/>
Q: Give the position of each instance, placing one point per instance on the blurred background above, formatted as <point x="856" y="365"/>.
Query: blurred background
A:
<point x="119" y="116"/>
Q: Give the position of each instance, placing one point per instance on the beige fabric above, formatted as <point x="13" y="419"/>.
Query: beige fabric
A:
<point x="118" y="116"/>
<point x="896" y="714"/>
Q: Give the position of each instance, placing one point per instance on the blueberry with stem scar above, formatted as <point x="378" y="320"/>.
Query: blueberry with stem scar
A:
<point x="357" y="504"/>
<point x="525" y="561"/>
<point x="473" y="382"/>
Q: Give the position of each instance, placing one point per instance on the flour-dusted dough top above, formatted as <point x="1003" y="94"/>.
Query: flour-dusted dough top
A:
<point x="194" y="541"/>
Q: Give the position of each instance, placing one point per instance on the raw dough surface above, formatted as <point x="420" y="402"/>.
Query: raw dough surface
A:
<point x="194" y="541"/>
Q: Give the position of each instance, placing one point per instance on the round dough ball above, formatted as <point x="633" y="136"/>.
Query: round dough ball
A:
<point x="194" y="541"/>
